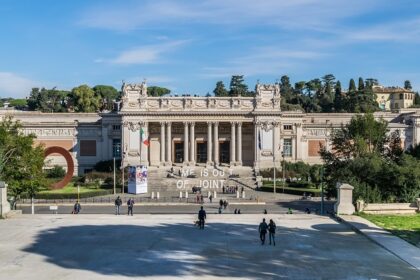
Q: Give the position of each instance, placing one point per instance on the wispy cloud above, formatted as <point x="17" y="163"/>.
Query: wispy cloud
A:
<point x="16" y="86"/>
<point x="262" y="61"/>
<point x="146" y="54"/>
<point x="306" y="14"/>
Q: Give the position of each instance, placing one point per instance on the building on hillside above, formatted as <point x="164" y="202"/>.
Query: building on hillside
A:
<point x="167" y="131"/>
<point x="393" y="98"/>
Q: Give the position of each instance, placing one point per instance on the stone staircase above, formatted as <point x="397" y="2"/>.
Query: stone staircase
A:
<point x="160" y="179"/>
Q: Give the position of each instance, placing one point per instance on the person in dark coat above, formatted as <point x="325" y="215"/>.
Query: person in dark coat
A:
<point x="263" y="231"/>
<point x="77" y="208"/>
<point x="118" y="203"/>
<point x="272" y="231"/>
<point x="130" y="204"/>
<point x="202" y="217"/>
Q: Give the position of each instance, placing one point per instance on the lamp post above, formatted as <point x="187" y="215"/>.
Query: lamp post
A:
<point x="284" y="169"/>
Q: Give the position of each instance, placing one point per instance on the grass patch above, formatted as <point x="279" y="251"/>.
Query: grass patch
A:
<point x="405" y="226"/>
<point x="70" y="191"/>
<point x="268" y="187"/>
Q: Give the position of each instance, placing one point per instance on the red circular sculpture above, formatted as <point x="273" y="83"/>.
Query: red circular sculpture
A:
<point x="70" y="165"/>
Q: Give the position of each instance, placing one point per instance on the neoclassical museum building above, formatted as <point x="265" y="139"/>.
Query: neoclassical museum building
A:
<point x="167" y="131"/>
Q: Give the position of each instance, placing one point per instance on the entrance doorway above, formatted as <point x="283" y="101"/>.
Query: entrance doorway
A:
<point x="179" y="152"/>
<point x="202" y="152"/>
<point x="224" y="155"/>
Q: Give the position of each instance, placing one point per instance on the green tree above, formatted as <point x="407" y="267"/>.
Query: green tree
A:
<point x="48" y="100"/>
<point x="367" y="156"/>
<point x="21" y="162"/>
<point x="157" y="91"/>
<point x="416" y="102"/>
<point x="339" y="99"/>
<point x="352" y="86"/>
<point x="220" y="89"/>
<point x="107" y="94"/>
<point x="85" y="99"/>
<point x="361" y="85"/>
<point x="407" y="85"/>
<point x="237" y="86"/>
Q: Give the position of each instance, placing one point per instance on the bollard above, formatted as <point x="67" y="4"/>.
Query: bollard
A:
<point x="237" y="194"/>
<point x="180" y="194"/>
<point x="243" y="194"/>
<point x="215" y="194"/>
<point x="186" y="194"/>
<point x="208" y="194"/>
<point x="153" y="195"/>
<point x="157" y="195"/>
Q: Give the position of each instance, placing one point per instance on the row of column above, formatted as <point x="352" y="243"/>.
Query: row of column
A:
<point x="212" y="143"/>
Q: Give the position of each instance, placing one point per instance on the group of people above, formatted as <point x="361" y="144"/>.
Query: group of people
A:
<point x="231" y="189"/>
<point x="223" y="203"/>
<point x="130" y="206"/>
<point x="271" y="228"/>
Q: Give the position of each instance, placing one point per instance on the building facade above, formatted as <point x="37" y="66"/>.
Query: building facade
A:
<point x="206" y="131"/>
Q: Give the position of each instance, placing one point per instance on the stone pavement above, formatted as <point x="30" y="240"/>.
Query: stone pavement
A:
<point x="394" y="244"/>
<point x="171" y="247"/>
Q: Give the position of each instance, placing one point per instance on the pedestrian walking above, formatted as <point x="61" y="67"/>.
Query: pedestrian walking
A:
<point x="118" y="203"/>
<point x="77" y="207"/>
<point x="221" y="203"/>
<point x="225" y="204"/>
<point x="130" y="204"/>
<point x="223" y="189"/>
<point x="202" y="217"/>
<point x="202" y="198"/>
<point x="272" y="231"/>
<point x="263" y="231"/>
<point x="211" y="198"/>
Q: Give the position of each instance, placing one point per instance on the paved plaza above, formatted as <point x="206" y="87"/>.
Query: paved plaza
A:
<point x="170" y="247"/>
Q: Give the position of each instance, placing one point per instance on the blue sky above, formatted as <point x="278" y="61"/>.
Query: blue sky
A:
<point x="188" y="46"/>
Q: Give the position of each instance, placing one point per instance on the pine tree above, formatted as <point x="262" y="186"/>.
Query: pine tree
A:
<point x="407" y="85"/>
<point x="220" y="89"/>
<point x="237" y="86"/>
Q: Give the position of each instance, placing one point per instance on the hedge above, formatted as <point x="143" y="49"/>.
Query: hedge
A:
<point x="295" y="191"/>
<point x="92" y="193"/>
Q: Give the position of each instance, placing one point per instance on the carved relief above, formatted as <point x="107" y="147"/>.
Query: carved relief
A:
<point x="42" y="132"/>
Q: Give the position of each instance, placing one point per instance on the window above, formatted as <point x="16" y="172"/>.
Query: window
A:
<point x="116" y="148"/>
<point x="287" y="147"/>
<point x="87" y="148"/>
<point x="287" y="127"/>
<point x="116" y="127"/>
<point x="401" y="96"/>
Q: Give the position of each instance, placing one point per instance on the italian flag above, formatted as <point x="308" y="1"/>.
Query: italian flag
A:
<point x="144" y="139"/>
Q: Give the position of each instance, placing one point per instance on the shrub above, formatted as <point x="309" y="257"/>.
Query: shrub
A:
<point x="56" y="172"/>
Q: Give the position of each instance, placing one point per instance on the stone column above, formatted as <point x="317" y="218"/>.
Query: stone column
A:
<point x="216" y="143"/>
<point x="239" y="145"/>
<point x="185" y="143"/>
<point x="257" y="126"/>
<point x="232" y="143"/>
<point x="209" y="144"/>
<point x="169" y="143"/>
<point x="144" y="148"/>
<point x="4" y="204"/>
<point x="192" y="143"/>
<point x="276" y="146"/>
<point x="344" y="204"/>
<point x="162" y="143"/>
<point x="298" y="147"/>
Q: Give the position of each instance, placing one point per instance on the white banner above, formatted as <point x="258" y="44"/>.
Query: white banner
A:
<point x="137" y="179"/>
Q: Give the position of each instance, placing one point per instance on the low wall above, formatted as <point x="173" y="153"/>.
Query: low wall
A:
<point x="389" y="208"/>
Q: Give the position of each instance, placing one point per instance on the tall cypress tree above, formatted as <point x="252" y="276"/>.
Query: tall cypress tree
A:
<point x="220" y="89"/>
<point x="338" y="100"/>
<point x="237" y="86"/>
<point x="361" y="84"/>
<point x="352" y="85"/>
<point x="407" y="85"/>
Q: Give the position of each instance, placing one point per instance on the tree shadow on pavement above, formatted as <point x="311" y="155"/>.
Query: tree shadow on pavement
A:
<point x="328" y="251"/>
